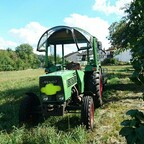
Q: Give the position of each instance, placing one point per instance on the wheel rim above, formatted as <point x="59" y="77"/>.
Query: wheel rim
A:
<point x="92" y="116"/>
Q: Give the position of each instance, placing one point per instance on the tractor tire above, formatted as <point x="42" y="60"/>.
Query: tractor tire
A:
<point x="93" y="83"/>
<point x="28" y="114"/>
<point x="99" y="90"/>
<point x="87" y="112"/>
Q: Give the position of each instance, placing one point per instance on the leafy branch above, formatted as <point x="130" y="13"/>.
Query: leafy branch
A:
<point x="133" y="129"/>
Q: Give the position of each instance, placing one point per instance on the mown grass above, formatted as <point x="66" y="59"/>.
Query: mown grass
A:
<point x="120" y="95"/>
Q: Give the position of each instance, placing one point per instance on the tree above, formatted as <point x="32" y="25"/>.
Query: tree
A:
<point x="29" y="59"/>
<point x="42" y="60"/>
<point x="22" y="58"/>
<point x="129" y="34"/>
<point x="24" y="51"/>
<point x="6" y="63"/>
<point x="118" y="35"/>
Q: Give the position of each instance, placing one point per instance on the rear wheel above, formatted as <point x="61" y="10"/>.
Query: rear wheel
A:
<point x="87" y="112"/>
<point x="93" y="83"/>
<point x="99" y="89"/>
<point x="28" y="112"/>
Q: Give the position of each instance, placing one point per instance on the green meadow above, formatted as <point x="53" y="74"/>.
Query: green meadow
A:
<point x="120" y="95"/>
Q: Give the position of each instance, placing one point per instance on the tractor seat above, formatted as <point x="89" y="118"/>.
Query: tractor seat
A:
<point x="73" y="66"/>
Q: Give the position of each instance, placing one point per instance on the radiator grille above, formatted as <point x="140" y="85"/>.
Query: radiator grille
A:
<point x="71" y="81"/>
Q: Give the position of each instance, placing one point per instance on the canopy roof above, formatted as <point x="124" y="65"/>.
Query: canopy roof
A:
<point x="63" y="35"/>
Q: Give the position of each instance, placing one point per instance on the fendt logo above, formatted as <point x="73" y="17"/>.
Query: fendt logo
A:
<point x="50" y="81"/>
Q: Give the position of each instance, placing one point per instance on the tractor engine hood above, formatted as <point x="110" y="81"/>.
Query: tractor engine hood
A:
<point x="56" y="86"/>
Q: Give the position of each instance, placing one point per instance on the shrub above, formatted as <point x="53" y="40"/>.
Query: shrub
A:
<point x="110" y="61"/>
<point x="133" y="129"/>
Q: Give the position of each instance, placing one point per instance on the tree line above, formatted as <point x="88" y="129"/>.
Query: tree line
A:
<point x="20" y="59"/>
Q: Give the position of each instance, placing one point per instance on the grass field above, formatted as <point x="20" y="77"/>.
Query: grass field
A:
<point x="119" y="96"/>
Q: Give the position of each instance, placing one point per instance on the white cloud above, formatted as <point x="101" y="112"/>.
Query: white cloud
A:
<point x="4" y="44"/>
<point x="95" y="26"/>
<point x="29" y="34"/>
<point x="108" y="8"/>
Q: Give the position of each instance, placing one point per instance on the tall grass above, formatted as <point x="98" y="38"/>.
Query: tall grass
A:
<point x="43" y="134"/>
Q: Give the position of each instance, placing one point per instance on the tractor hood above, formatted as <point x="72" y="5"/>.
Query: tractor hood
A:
<point x="58" y="83"/>
<point x="62" y="73"/>
<point x="64" y="35"/>
<point x="66" y="77"/>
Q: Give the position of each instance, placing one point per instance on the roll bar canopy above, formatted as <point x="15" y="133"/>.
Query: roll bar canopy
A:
<point x="64" y="35"/>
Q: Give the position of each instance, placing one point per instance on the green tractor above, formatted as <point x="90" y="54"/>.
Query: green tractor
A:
<point x="66" y="86"/>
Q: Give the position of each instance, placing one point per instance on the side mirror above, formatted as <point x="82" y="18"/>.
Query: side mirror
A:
<point x="99" y="45"/>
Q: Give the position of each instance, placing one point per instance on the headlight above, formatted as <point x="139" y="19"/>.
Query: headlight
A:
<point x="60" y="97"/>
<point x="44" y="97"/>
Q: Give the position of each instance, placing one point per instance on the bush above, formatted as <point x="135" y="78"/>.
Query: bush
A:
<point x="22" y="58"/>
<point x="110" y="61"/>
<point x="113" y="61"/>
<point x="133" y="129"/>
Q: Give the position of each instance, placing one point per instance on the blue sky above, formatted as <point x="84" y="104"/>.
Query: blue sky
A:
<point x="24" y="21"/>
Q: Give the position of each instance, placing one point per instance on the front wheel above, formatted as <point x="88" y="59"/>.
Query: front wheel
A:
<point x="87" y="112"/>
<point x="28" y="113"/>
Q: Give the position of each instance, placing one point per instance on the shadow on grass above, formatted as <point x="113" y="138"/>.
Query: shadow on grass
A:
<point x="111" y="90"/>
<point x="118" y="75"/>
<point x="9" y="111"/>
<point x="125" y="87"/>
<point x="115" y="99"/>
<point x="65" y="123"/>
<point x="9" y="107"/>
